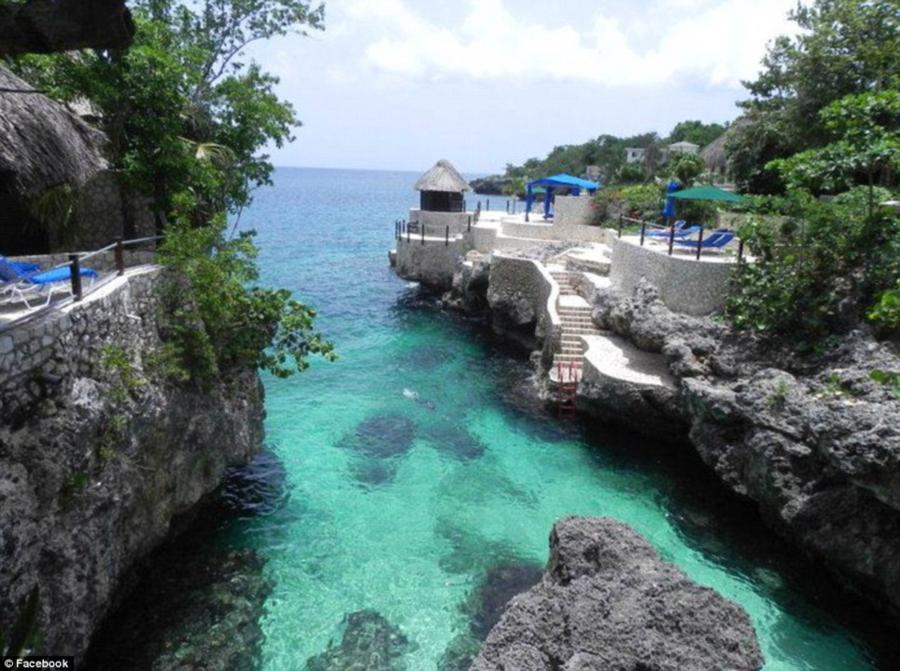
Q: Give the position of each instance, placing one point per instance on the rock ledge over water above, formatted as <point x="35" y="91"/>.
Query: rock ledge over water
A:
<point x="607" y="601"/>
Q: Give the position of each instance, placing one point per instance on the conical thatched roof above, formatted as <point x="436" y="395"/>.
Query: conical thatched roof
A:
<point x="42" y="144"/>
<point x="442" y="177"/>
<point x="713" y="154"/>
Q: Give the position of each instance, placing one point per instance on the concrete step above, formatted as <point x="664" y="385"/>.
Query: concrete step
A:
<point x="573" y="311"/>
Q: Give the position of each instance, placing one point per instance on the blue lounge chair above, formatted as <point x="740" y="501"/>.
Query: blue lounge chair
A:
<point x="682" y="232"/>
<point x="20" y="284"/>
<point x="716" y="240"/>
<point x="24" y="267"/>
<point x="679" y="225"/>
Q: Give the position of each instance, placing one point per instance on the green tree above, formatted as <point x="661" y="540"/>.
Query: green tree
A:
<point x="820" y="266"/>
<point x="844" y="47"/>
<point x="182" y="106"/>
<point x="865" y="146"/>
<point x="686" y="168"/>
<point x="697" y="132"/>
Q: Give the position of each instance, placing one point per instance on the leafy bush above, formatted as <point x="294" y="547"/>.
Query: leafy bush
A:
<point x="819" y="268"/>
<point x="230" y="322"/>
<point x="640" y="201"/>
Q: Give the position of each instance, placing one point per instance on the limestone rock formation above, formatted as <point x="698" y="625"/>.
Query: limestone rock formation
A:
<point x="814" y="441"/>
<point x="608" y="602"/>
<point x="99" y="452"/>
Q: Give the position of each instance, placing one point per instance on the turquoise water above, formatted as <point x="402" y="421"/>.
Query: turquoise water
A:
<point x="413" y="464"/>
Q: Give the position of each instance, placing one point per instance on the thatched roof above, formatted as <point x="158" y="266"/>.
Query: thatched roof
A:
<point x="42" y="144"/>
<point x="713" y="154"/>
<point x="442" y="177"/>
<point x="47" y="26"/>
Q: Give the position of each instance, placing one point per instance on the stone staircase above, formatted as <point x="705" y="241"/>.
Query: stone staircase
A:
<point x="575" y="315"/>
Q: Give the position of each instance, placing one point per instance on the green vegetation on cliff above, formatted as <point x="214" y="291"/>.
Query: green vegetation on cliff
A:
<point x="188" y="118"/>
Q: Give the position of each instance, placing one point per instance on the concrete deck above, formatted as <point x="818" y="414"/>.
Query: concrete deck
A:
<point x="617" y="359"/>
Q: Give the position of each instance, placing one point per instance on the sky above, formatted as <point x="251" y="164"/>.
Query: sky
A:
<point x="399" y="84"/>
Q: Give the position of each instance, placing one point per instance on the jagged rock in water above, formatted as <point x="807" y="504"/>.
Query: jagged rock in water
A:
<point x="483" y="608"/>
<point x="812" y="439"/>
<point x="369" y="643"/>
<point x="205" y="614"/>
<point x="607" y="602"/>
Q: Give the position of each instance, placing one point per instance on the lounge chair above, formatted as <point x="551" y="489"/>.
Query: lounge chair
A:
<point x="678" y="226"/>
<point x="716" y="240"/>
<point x="20" y="284"/>
<point x="24" y="267"/>
<point x="682" y="232"/>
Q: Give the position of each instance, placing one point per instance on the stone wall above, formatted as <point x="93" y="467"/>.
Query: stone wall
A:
<point x="98" y="453"/>
<point x="522" y="296"/>
<point x="573" y="210"/>
<point x="685" y="284"/>
<point x="432" y="263"/>
<point x="437" y="222"/>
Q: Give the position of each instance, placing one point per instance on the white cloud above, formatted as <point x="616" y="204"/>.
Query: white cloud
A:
<point x="717" y="42"/>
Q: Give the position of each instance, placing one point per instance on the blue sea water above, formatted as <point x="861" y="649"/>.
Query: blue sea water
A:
<point x="415" y="462"/>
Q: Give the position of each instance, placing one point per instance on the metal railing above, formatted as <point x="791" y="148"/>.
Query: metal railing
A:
<point x="671" y="237"/>
<point x="74" y="264"/>
<point x="404" y="229"/>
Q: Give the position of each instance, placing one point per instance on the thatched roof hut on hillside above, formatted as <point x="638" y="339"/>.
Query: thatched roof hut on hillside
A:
<point x="441" y="188"/>
<point x="42" y="146"/>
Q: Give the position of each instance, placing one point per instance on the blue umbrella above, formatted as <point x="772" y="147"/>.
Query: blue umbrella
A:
<point x="669" y="208"/>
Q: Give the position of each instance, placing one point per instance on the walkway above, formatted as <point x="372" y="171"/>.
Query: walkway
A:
<point x="575" y="315"/>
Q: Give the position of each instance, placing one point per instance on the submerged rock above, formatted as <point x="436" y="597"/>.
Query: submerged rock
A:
<point x="382" y="436"/>
<point x="607" y="602"/>
<point x="369" y="643"/>
<point x="206" y="614"/>
<point x="501" y="583"/>
<point x="456" y="441"/>
<point x="378" y="442"/>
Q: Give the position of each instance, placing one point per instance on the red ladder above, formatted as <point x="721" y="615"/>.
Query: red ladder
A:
<point x="568" y="376"/>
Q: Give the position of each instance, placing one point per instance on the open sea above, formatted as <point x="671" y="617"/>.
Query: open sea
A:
<point x="419" y="476"/>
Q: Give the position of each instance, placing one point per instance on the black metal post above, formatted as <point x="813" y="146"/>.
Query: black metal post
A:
<point x="446" y="235"/>
<point x="740" y="250"/>
<point x="671" y="239"/>
<point x="75" y="270"/>
<point x="700" y="243"/>
<point x="643" y="231"/>
<point x="422" y="228"/>
<point x="120" y="257"/>
<point x="621" y="224"/>
<point x="478" y="206"/>
<point x="407" y="233"/>
<point x="470" y="223"/>
<point x="488" y="205"/>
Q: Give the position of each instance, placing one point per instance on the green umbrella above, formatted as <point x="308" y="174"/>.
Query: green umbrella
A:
<point x="707" y="193"/>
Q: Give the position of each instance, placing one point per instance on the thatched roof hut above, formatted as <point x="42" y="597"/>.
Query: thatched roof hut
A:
<point x="713" y="155"/>
<point x="442" y="177"/>
<point x="441" y="188"/>
<point x="42" y="146"/>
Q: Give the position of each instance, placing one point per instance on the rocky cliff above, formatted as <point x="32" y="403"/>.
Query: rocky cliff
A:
<point x="607" y="601"/>
<point x="99" y="450"/>
<point x="813" y="440"/>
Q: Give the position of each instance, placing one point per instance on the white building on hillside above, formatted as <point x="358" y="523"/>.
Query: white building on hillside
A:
<point x="634" y="154"/>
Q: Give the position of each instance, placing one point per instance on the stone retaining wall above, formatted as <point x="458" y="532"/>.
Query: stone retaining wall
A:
<point x="685" y="284"/>
<point x="431" y="263"/>
<point x="69" y="341"/>
<point x="436" y="222"/>
<point x="524" y="293"/>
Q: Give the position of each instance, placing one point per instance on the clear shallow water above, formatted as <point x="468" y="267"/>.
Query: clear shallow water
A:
<point x="484" y="472"/>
